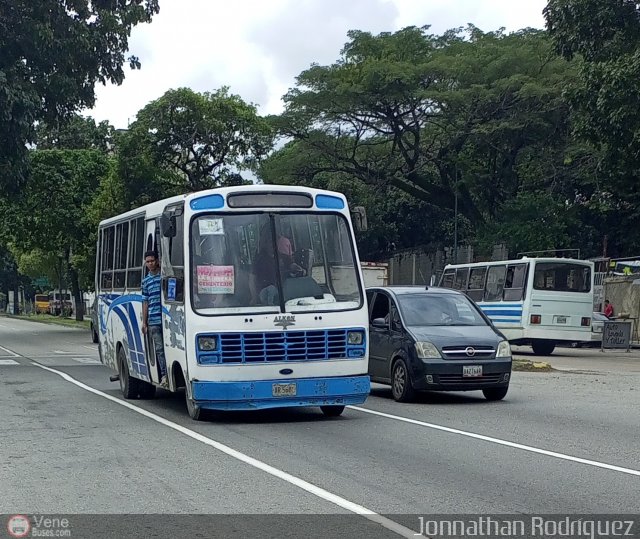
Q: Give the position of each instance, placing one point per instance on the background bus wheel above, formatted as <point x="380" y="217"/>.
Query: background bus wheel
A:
<point x="332" y="411"/>
<point x="543" y="348"/>
<point x="401" y="387"/>
<point x="195" y="412"/>
<point x="129" y="386"/>
<point x="94" y="335"/>
<point x="495" y="394"/>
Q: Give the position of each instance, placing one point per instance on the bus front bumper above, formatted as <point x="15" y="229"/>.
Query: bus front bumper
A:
<point x="260" y="394"/>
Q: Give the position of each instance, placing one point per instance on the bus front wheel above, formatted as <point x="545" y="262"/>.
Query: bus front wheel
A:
<point x="195" y="412"/>
<point x="332" y="411"/>
<point x="542" y="347"/>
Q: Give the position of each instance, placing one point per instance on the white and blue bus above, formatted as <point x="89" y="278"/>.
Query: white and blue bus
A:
<point x="263" y="300"/>
<point x="540" y="302"/>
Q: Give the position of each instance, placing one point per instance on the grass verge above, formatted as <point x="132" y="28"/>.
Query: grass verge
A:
<point x="57" y="320"/>
<point x="531" y="366"/>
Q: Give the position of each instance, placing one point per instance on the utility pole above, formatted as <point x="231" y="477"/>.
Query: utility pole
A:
<point x="455" y="217"/>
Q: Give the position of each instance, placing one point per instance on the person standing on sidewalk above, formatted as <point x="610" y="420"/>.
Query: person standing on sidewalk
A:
<point x="152" y="311"/>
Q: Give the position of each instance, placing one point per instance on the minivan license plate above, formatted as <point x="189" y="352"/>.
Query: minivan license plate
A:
<point x="561" y="319"/>
<point x="471" y="370"/>
<point x="284" y="390"/>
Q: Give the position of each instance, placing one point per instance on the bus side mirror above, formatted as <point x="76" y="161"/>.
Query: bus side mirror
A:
<point x="359" y="218"/>
<point x="168" y="225"/>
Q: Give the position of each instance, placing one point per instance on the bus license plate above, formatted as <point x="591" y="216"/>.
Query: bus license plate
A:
<point x="471" y="371"/>
<point x="561" y="319"/>
<point x="284" y="390"/>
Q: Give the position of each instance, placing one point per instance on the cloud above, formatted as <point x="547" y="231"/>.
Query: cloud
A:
<point x="257" y="48"/>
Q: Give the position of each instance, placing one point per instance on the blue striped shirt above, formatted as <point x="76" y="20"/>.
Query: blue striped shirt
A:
<point x="151" y="286"/>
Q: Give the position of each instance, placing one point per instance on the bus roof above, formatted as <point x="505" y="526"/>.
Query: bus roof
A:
<point x="155" y="209"/>
<point x="519" y="261"/>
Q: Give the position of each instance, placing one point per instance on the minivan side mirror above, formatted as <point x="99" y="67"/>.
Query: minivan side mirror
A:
<point x="379" y="323"/>
<point x="359" y="218"/>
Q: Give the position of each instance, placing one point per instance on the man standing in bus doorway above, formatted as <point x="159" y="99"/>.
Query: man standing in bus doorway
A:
<point x="152" y="311"/>
<point x="608" y="309"/>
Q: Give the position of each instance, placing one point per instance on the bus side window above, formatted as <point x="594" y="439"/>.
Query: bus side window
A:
<point x="495" y="283"/>
<point x="475" y="289"/>
<point x="514" y="284"/>
<point x="461" y="279"/>
<point x="447" y="279"/>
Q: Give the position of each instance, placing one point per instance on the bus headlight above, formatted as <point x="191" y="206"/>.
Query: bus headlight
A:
<point x="427" y="350"/>
<point x="504" y="350"/>
<point x="355" y="337"/>
<point x="206" y="344"/>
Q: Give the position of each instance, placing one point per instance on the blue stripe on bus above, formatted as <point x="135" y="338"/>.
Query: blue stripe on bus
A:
<point x="494" y="312"/>
<point x="505" y="321"/>
<point x="498" y="305"/>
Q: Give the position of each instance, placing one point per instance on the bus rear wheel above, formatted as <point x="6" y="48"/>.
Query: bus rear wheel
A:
<point x="332" y="411"/>
<point x="542" y="347"/>
<point x="129" y="386"/>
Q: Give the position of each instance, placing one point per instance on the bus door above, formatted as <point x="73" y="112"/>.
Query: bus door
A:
<point x="172" y="240"/>
<point x="151" y="244"/>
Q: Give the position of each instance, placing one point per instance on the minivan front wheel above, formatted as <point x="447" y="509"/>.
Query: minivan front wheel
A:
<point x="495" y="393"/>
<point x="401" y="387"/>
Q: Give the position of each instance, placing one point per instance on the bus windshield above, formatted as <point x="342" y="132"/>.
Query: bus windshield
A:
<point x="261" y="262"/>
<point x="562" y="277"/>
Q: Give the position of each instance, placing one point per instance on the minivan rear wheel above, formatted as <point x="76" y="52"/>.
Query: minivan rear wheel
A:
<point x="401" y="387"/>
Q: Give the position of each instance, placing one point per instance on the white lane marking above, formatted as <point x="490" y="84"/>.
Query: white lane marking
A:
<point x="10" y="352"/>
<point x="94" y="348"/>
<point x="501" y="442"/>
<point x="8" y="362"/>
<point x="292" y="479"/>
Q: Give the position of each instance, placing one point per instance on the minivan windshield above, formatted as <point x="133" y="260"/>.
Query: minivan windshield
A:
<point x="439" y="310"/>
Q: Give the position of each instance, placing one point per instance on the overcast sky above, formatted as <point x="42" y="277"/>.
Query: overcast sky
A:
<point x="258" y="47"/>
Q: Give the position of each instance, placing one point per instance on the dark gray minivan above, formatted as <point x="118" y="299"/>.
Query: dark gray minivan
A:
<point x="427" y="338"/>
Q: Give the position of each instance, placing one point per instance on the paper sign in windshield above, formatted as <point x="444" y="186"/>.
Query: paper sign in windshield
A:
<point x="211" y="227"/>
<point x="215" y="279"/>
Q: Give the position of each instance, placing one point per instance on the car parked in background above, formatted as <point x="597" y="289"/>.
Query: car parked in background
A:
<point x="427" y="338"/>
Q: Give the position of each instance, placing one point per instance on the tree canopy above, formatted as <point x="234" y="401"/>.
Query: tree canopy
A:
<point x="52" y="54"/>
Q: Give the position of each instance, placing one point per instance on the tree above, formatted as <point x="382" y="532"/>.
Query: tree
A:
<point x="603" y="39"/>
<point x="75" y="133"/>
<point x="52" y="213"/>
<point x="200" y="140"/>
<point x="52" y="54"/>
<point x="475" y="116"/>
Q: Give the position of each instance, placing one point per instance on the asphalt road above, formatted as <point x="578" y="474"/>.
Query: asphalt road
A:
<point x="561" y="442"/>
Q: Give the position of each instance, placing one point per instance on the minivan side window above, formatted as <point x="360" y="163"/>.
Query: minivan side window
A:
<point x="447" y="279"/>
<point x="495" y="283"/>
<point x="380" y="307"/>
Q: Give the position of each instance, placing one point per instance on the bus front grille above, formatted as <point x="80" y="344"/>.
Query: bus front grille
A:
<point x="279" y="346"/>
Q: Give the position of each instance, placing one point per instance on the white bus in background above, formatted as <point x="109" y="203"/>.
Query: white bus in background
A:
<point x="534" y="301"/>
<point x="233" y="341"/>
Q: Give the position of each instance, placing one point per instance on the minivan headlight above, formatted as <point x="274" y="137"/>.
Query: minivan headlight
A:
<point x="504" y="350"/>
<point x="427" y="350"/>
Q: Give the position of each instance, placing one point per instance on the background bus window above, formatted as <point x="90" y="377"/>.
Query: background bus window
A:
<point x="475" y="288"/>
<point x="460" y="282"/>
<point x="495" y="283"/>
<point x="562" y="277"/>
<point x="514" y="282"/>
<point x="447" y="279"/>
